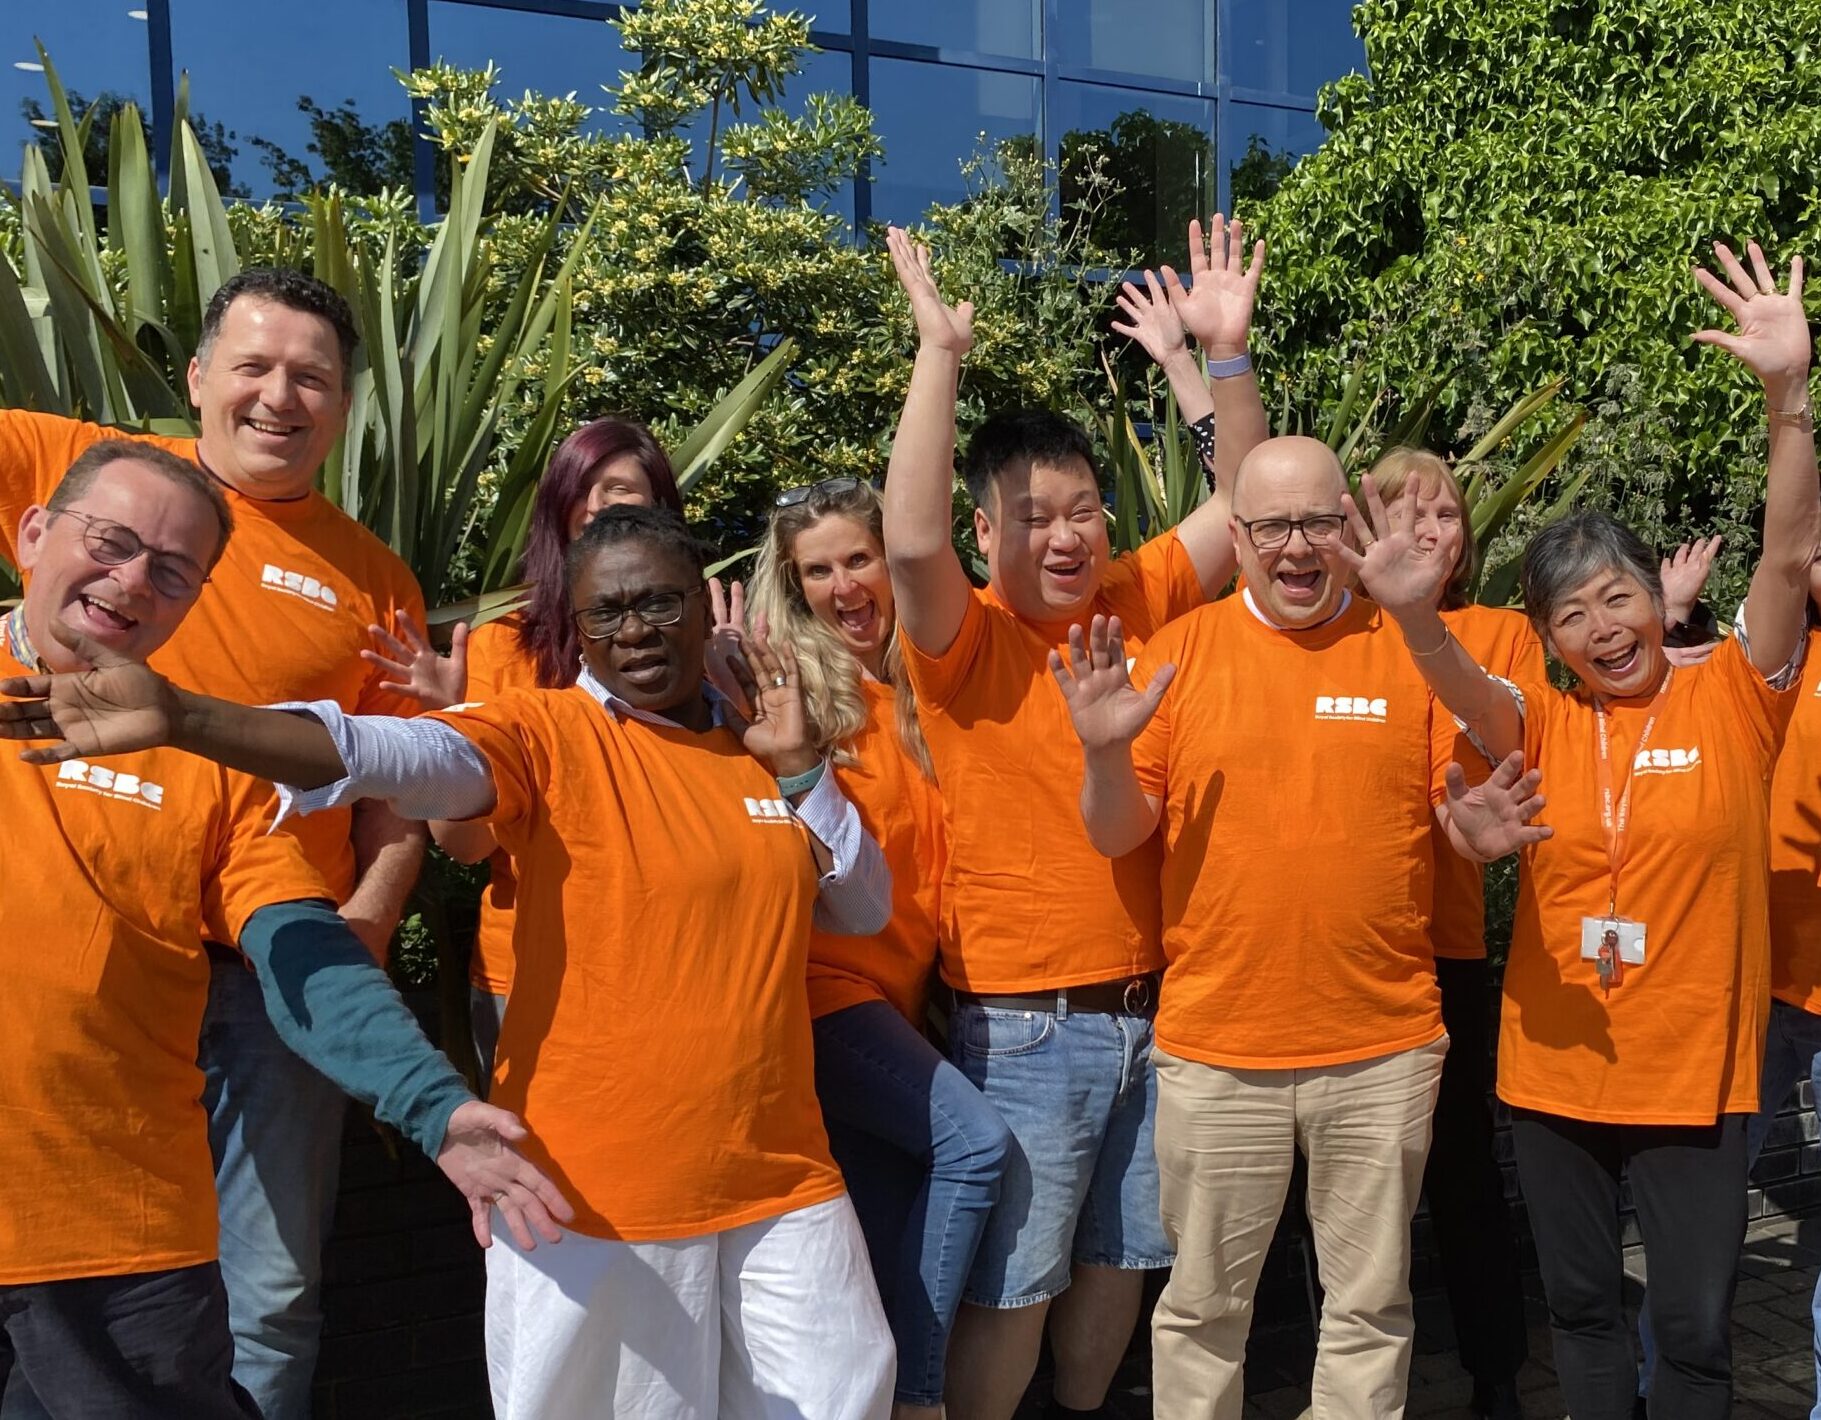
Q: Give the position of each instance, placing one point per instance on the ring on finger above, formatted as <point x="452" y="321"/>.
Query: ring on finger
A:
<point x="779" y="680"/>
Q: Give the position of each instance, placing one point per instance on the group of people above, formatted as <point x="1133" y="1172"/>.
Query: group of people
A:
<point x="1194" y="871"/>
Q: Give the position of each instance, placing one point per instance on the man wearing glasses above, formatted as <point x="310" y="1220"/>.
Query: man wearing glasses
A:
<point x="111" y="1302"/>
<point x="285" y="617"/>
<point x="1290" y="750"/>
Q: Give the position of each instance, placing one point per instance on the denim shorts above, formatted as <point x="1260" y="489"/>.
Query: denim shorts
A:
<point x="1077" y="1091"/>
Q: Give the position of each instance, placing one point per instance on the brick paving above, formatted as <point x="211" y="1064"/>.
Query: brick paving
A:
<point x="1772" y="1345"/>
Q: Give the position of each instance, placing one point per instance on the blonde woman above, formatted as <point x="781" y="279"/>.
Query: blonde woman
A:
<point x="922" y="1150"/>
<point x="1462" y="1180"/>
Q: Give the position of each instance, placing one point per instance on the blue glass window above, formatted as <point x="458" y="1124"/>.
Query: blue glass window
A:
<point x="99" y="47"/>
<point x="931" y="117"/>
<point x="1159" y="39"/>
<point x="1011" y="28"/>
<point x="1259" y="145"/>
<point x="252" y="66"/>
<point x="1288" y="46"/>
<point x="1160" y="149"/>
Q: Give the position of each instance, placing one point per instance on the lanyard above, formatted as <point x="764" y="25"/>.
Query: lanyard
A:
<point x="18" y="643"/>
<point x="1615" y="814"/>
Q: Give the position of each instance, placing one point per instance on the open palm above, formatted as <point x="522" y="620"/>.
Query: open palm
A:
<point x="1395" y="571"/>
<point x="117" y="707"/>
<point x="1494" y="818"/>
<point x="1103" y="705"/>
<point x="1772" y="340"/>
<point x="1216" y="308"/>
<point x="939" y="324"/>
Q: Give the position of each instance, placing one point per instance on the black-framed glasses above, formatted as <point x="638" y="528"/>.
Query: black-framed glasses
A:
<point x="1269" y="534"/>
<point x="114" y="544"/>
<point x="598" y="623"/>
<point x="803" y="492"/>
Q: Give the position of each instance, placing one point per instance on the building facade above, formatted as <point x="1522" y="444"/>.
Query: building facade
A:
<point x="1188" y="102"/>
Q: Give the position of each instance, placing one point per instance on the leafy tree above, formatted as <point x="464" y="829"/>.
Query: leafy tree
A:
<point x="1258" y="172"/>
<point x="1516" y="193"/>
<point x="356" y="156"/>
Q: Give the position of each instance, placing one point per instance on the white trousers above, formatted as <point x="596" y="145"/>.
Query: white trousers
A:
<point x="776" y="1320"/>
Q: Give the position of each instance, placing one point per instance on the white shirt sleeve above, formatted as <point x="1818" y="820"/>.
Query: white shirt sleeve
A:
<point x="422" y="768"/>
<point x="855" y="898"/>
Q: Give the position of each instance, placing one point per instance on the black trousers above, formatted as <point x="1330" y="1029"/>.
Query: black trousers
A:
<point x="1466" y="1192"/>
<point x="1688" y="1185"/>
<point x="145" y="1346"/>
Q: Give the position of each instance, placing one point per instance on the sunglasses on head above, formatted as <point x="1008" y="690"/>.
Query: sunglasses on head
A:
<point x="803" y="492"/>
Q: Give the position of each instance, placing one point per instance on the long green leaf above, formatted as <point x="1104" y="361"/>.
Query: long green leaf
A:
<point x="24" y="378"/>
<point x="212" y="243"/>
<point x="709" y="439"/>
<point x="1512" y="420"/>
<point x="135" y="226"/>
<point x="1490" y="515"/>
<point x="71" y="137"/>
<point x="1343" y="412"/>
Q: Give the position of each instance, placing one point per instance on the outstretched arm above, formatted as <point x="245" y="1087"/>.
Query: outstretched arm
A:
<point x="928" y="582"/>
<point x="1217" y="310"/>
<point x="1773" y="343"/>
<point x="1152" y="320"/>
<point x="1108" y="715"/>
<point x="1406" y="581"/>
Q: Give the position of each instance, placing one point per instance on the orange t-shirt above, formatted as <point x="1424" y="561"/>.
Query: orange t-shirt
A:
<point x="658" y="1044"/>
<point x="1795" y="848"/>
<point x="901" y="809"/>
<point x="116" y="869"/>
<point x="1027" y="904"/>
<point x="496" y="662"/>
<point x="283" y="617"/>
<point x="1298" y="771"/>
<point x="1679" y="1040"/>
<point x="1502" y="641"/>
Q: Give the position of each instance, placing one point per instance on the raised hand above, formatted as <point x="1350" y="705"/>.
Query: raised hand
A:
<point x="1103" y="706"/>
<point x="1393" y="569"/>
<point x="1494" y="818"/>
<point x="727" y="643"/>
<point x="418" y="670"/>
<point x="1772" y="340"/>
<point x="1151" y="320"/>
<point x="1217" y="307"/>
<point x="939" y="325"/>
<point x="777" y="731"/>
<point x="478" y="1158"/>
<point x="1685" y="573"/>
<point x="115" y="708"/>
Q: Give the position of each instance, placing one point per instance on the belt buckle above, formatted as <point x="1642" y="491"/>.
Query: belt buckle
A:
<point x="1137" y="997"/>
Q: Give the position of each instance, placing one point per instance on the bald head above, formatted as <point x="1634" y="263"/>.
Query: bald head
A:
<point x="1294" y="465"/>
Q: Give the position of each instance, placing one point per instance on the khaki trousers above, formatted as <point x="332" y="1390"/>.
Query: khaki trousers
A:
<point x="1226" y="1140"/>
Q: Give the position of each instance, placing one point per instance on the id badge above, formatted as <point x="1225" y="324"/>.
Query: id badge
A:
<point x="1615" y="940"/>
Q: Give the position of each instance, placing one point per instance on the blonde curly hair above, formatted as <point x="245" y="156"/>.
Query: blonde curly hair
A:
<point x="830" y="674"/>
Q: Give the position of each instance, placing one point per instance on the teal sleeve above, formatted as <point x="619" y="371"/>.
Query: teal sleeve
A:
<point x="333" y="1005"/>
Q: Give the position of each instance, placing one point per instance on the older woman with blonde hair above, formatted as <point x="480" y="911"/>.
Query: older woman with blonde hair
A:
<point x="1462" y="1181"/>
<point x="922" y="1150"/>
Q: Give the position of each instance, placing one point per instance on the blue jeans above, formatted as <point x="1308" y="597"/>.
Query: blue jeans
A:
<point x="923" y="1153"/>
<point x="1792" y="1048"/>
<point x="1079" y="1093"/>
<point x="275" y="1131"/>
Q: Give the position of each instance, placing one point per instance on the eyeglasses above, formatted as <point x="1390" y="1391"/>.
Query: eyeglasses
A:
<point x="114" y="544"/>
<point x="599" y="623"/>
<point x="802" y="493"/>
<point x="1269" y="534"/>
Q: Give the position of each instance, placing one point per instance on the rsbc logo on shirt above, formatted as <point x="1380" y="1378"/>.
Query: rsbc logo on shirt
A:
<point x="308" y="589"/>
<point x="769" y="811"/>
<point x="1370" y="708"/>
<point x="1666" y="761"/>
<point x="99" y="779"/>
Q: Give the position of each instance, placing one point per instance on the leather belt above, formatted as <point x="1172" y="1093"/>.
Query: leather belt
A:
<point x="1129" y="996"/>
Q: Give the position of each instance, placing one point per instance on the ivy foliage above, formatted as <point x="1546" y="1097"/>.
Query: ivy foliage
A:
<point x="1517" y="194"/>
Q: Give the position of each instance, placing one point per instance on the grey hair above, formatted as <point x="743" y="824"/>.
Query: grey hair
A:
<point x="1564" y="556"/>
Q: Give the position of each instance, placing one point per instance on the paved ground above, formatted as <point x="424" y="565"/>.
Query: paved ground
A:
<point x="1772" y="1346"/>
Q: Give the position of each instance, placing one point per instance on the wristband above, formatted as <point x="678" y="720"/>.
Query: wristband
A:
<point x="1240" y="364"/>
<point x="804" y="782"/>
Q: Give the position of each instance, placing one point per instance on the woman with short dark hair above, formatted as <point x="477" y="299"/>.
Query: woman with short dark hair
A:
<point x="1637" y="988"/>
